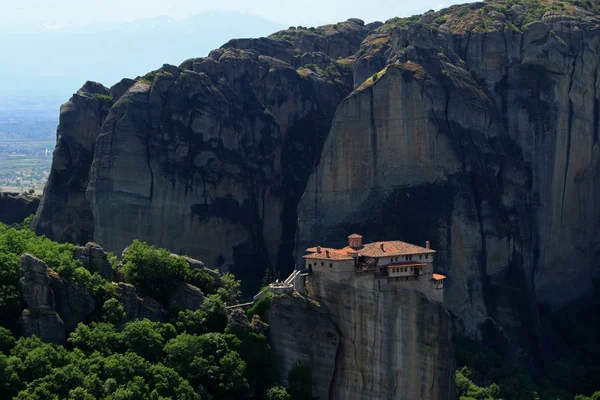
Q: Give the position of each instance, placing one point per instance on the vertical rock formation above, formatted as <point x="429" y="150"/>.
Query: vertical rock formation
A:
<point x="210" y="159"/>
<point x="301" y="331"/>
<point x="365" y="340"/>
<point x="40" y="317"/>
<point x="94" y="259"/>
<point x="477" y="132"/>
<point x="64" y="214"/>
<point x="475" y="127"/>
<point x="407" y="158"/>
<point x="15" y="207"/>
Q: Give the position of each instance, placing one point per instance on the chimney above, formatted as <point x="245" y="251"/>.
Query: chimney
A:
<point x="319" y="249"/>
<point x="427" y="245"/>
<point x="327" y="252"/>
<point x="382" y="249"/>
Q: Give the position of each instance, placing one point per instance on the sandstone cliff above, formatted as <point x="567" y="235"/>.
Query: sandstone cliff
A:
<point x="475" y="127"/>
<point x="365" y="341"/>
<point x="64" y="214"/>
<point x="208" y="159"/>
<point x="478" y="132"/>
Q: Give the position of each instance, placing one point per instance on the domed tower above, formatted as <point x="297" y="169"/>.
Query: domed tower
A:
<point x="355" y="241"/>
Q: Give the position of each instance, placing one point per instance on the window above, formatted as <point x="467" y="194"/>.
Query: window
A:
<point x="426" y="255"/>
<point x="330" y="265"/>
<point x="420" y="256"/>
<point x="322" y="263"/>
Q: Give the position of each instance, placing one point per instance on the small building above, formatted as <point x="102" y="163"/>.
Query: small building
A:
<point x="394" y="260"/>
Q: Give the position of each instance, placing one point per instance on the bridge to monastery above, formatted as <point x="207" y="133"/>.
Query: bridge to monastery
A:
<point x="294" y="282"/>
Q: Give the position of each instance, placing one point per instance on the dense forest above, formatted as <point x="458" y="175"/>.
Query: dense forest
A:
<point x="213" y="353"/>
<point x="205" y="353"/>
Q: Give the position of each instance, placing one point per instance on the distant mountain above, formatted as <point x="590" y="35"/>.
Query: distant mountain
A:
<point x="57" y="61"/>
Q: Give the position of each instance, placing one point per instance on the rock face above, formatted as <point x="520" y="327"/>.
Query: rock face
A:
<point x="186" y="297"/>
<point x="475" y="127"/>
<point x="54" y="307"/>
<point x="365" y="342"/>
<point x="45" y="324"/>
<point x="40" y="317"/>
<point x="73" y="302"/>
<point x="35" y="283"/>
<point x="95" y="259"/>
<point x="64" y="214"/>
<point x="301" y="331"/>
<point x="137" y="307"/>
<point x="15" y="207"/>
<point x="209" y="159"/>
<point x="481" y="138"/>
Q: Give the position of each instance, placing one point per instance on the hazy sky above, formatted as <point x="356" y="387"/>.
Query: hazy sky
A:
<point x="56" y="13"/>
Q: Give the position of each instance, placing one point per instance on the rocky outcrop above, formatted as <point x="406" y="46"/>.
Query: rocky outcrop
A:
<point x="301" y="331"/>
<point x="138" y="307"/>
<point x="40" y="317"/>
<point x="64" y="214"/>
<point x="35" y="283"/>
<point x="365" y="340"/>
<point x="186" y="297"/>
<point x="15" y="207"/>
<point x="45" y="324"/>
<point x="54" y="306"/>
<point x="94" y="259"/>
<point x="74" y="303"/>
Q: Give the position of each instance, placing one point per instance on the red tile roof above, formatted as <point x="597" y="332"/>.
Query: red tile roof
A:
<point x="392" y="248"/>
<point x="438" y="277"/>
<point x="355" y="236"/>
<point x="333" y="254"/>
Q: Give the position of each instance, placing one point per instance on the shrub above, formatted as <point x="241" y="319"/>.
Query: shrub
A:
<point x="147" y="338"/>
<point x="210" y="317"/>
<point x="203" y="280"/>
<point x="113" y="311"/>
<point x="261" y="308"/>
<point x="278" y="393"/>
<point x="154" y="271"/>
<point x="230" y="288"/>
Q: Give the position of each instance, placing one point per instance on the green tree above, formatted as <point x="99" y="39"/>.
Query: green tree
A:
<point x="203" y="280"/>
<point x="97" y="336"/>
<point x="278" y="393"/>
<point x="113" y="311"/>
<point x="230" y="288"/>
<point x="210" y="361"/>
<point x="80" y="394"/>
<point x="7" y="341"/>
<point x="268" y="278"/>
<point x="210" y="317"/>
<point x="154" y="271"/>
<point x="147" y="338"/>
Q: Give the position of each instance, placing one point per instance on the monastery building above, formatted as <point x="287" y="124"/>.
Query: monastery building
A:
<point x="394" y="262"/>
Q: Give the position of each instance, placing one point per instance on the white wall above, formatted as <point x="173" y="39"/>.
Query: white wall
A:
<point x="419" y="258"/>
